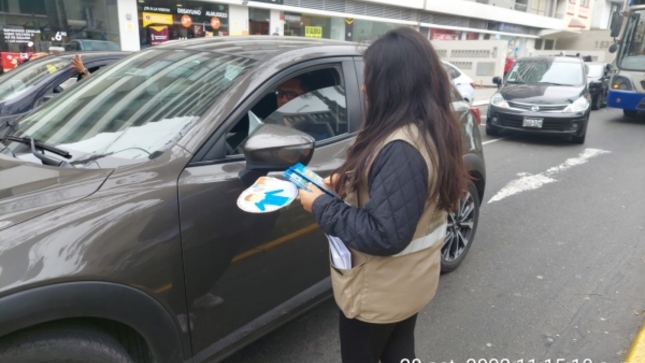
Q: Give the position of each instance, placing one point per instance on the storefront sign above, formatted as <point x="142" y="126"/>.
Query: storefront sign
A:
<point x="186" y="21"/>
<point x="156" y="9"/>
<point x="158" y="34"/>
<point x="215" y="23"/>
<point x="571" y="8"/>
<point x="313" y="31"/>
<point x="197" y="12"/>
<point x="12" y="35"/>
<point x="152" y="18"/>
<point x="583" y="12"/>
<point x="292" y="18"/>
<point x="217" y="14"/>
<point x="59" y="36"/>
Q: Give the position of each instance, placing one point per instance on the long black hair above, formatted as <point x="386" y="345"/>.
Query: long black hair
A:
<point x="406" y="83"/>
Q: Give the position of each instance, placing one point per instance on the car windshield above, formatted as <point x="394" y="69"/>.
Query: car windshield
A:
<point x="596" y="71"/>
<point x="134" y="108"/>
<point x="546" y="71"/>
<point x="24" y="77"/>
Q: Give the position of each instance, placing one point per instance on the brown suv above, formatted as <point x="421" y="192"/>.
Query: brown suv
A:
<point x="120" y="238"/>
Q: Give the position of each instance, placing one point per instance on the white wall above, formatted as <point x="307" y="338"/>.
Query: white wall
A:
<point x="481" y="60"/>
<point x="128" y="25"/>
<point x="238" y="20"/>
<point x="276" y="25"/>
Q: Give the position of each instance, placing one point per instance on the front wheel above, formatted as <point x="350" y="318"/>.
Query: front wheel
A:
<point x="630" y="113"/>
<point x="597" y="102"/>
<point x="462" y="226"/>
<point x="491" y="130"/>
<point x="62" y="344"/>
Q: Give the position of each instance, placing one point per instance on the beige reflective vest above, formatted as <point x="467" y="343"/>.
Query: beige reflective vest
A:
<point x="391" y="289"/>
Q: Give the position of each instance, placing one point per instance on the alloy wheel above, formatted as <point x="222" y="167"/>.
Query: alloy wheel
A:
<point x="460" y="229"/>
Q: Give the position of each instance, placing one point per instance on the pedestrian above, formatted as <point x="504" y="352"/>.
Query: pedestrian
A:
<point x="401" y="177"/>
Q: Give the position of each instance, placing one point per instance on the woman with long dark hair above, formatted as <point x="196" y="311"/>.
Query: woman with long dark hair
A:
<point x="402" y="176"/>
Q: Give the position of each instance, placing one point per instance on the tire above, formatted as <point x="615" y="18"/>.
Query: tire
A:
<point x="456" y="246"/>
<point x="630" y="113"/>
<point x="579" y="139"/>
<point x="62" y="344"/>
<point x="596" y="103"/>
<point x="491" y="130"/>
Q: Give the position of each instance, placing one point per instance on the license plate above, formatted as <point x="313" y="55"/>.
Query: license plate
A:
<point x="533" y="122"/>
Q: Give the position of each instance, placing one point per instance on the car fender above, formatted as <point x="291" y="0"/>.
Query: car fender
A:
<point x="476" y="167"/>
<point x="87" y="299"/>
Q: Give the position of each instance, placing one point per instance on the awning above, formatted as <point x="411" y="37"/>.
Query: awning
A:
<point x="559" y="34"/>
<point x="575" y="23"/>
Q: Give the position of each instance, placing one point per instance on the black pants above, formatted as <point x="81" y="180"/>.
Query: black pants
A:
<point x="362" y="342"/>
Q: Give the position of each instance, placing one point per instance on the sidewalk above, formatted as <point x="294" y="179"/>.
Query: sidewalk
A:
<point x="482" y="95"/>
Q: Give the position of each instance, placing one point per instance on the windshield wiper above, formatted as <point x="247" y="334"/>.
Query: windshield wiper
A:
<point x="40" y="145"/>
<point x="46" y="159"/>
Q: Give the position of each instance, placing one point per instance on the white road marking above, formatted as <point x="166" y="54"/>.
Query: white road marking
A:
<point x="527" y="181"/>
<point x="493" y="140"/>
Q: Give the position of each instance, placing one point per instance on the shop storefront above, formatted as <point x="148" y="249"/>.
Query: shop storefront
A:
<point x="34" y="26"/>
<point x="164" y="20"/>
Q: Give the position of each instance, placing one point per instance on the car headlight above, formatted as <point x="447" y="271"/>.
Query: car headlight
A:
<point x="498" y="101"/>
<point x="579" y="105"/>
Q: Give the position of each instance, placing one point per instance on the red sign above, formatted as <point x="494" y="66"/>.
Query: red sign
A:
<point x="158" y="34"/>
<point x="215" y="23"/>
<point x="186" y="21"/>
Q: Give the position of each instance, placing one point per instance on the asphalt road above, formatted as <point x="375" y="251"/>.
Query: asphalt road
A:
<point x="555" y="272"/>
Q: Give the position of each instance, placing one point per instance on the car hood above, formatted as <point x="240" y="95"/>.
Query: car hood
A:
<point x="541" y="93"/>
<point x="28" y="189"/>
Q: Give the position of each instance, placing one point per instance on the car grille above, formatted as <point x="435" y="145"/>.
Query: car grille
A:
<point x="547" y="125"/>
<point x="528" y="107"/>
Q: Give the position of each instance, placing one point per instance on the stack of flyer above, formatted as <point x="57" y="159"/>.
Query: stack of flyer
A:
<point x="270" y="194"/>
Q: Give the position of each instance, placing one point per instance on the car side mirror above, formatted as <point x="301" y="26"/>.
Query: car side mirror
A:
<point x="497" y="81"/>
<point x="613" y="48"/>
<point x="275" y="148"/>
<point x="616" y="24"/>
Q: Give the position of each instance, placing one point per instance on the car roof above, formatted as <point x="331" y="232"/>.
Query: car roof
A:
<point x="263" y="47"/>
<point x="554" y="59"/>
<point x="89" y="55"/>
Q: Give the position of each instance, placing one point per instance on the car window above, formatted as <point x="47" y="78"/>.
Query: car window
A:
<point x="320" y="111"/>
<point x="27" y="75"/>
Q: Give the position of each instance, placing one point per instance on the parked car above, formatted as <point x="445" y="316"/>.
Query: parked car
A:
<point x="91" y="45"/>
<point x="38" y="81"/>
<point x="120" y="236"/>
<point x="598" y="79"/>
<point x="547" y="95"/>
<point x="459" y="79"/>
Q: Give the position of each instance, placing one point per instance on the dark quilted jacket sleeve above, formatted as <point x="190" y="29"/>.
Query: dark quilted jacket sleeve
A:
<point x="398" y="188"/>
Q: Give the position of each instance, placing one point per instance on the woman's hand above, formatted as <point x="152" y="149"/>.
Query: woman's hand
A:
<point x="331" y="181"/>
<point x="307" y="198"/>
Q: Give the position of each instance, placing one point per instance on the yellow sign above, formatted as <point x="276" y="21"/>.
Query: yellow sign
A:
<point x="349" y="21"/>
<point x="313" y="32"/>
<point x="154" y="18"/>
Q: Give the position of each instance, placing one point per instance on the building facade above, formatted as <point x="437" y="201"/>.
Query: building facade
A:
<point x="42" y="25"/>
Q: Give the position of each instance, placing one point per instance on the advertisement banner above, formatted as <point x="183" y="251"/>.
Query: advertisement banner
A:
<point x="153" y="18"/>
<point x="158" y="34"/>
<point x="313" y="32"/>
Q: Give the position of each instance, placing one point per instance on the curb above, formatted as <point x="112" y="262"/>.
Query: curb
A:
<point x="636" y="353"/>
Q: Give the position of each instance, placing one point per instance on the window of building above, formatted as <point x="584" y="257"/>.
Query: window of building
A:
<point x="539" y="7"/>
<point x="549" y="44"/>
<point x="259" y="21"/>
<point x="538" y="44"/>
<point x="36" y="26"/>
<point x="522" y="5"/>
<point x="584" y="3"/>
